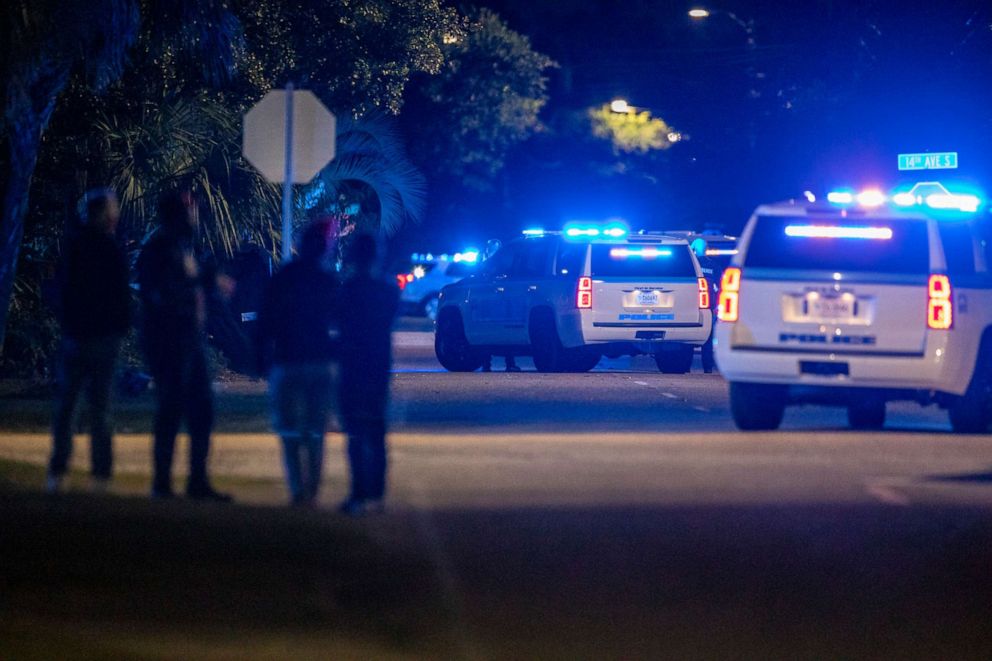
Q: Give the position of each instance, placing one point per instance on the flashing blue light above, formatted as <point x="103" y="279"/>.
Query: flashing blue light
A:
<point x="837" y="232"/>
<point x="645" y="253"/>
<point x="966" y="203"/>
<point x="905" y="199"/>
<point x="535" y="231"/>
<point x="840" y="197"/>
<point x="612" y="230"/>
<point x="469" y="256"/>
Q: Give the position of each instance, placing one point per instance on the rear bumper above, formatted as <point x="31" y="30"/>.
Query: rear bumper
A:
<point x="580" y="329"/>
<point x="939" y="367"/>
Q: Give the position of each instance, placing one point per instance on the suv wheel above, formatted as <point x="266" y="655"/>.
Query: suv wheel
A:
<point x="970" y="413"/>
<point x="452" y="348"/>
<point x="867" y="414"/>
<point x="676" y="360"/>
<point x="757" y="406"/>
<point x="549" y="354"/>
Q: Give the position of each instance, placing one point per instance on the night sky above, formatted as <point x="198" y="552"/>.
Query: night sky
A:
<point x="843" y="87"/>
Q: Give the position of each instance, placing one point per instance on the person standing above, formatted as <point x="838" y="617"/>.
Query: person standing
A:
<point x="173" y="284"/>
<point x="296" y="324"/>
<point x="369" y="306"/>
<point x="94" y="313"/>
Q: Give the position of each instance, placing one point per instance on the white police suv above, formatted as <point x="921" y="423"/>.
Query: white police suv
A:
<point x="568" y="298"/>
<point x="858" y="301"/>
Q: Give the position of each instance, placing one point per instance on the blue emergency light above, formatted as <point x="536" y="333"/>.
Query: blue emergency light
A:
<point x="930" y="194"/>
<point x="611" y="230"/>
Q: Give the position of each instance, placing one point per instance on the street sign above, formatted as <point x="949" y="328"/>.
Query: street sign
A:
<point x="289" y="137"/>
<point x="947" y="160"/>
<point x="265" y="136"/>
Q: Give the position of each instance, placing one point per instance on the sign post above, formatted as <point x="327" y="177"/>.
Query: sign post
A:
<point x="289" y="136"/>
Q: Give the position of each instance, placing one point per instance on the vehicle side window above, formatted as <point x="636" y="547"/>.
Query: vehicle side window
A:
<point x="533" y="259"/>
<point x="571" y="259"/>
<point x="959" y="248"/>
<point x="501" y="264"/>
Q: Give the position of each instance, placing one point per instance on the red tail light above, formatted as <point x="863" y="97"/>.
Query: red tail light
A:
<point x="401" y="280"/>
<point x="940" y="313"/>
<point x="583" y="297"/>
<point x="730" y="291"/>
<point x="704" y="294"/>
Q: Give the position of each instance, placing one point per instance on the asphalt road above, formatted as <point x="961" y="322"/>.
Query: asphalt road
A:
<point x="619" y="514"/>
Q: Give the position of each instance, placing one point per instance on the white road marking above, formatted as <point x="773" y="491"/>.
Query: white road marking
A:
<point x="885" y="491"/>
<point x="701" y="409"/>
<point x="641" y="383"/>
<point x="669" y="395"/>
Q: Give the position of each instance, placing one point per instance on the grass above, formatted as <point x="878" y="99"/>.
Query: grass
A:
<point x="88" y="576"/>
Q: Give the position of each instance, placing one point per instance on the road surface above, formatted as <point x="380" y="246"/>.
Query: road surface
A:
<point x="619" y="514"/>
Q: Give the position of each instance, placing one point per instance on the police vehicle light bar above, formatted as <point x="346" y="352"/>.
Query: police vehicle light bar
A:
<point x="611" y="230"/>
<point x="837" y="232"/>
<point x="939" y="198"/>
<point x="646" y="253"/>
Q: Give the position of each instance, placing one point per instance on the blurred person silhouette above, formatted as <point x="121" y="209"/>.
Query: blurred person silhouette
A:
<point x="369" y="305"/>
<point x="174" y="285"/>
<point x="295" y="345"/>
<point x="93" y="308"/>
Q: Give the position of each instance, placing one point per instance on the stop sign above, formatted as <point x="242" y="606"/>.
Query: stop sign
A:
<point x="313" y="129"/>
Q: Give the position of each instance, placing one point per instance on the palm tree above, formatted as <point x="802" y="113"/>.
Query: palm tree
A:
<point x="42" y="42"/>
<point x="370" y="183"/>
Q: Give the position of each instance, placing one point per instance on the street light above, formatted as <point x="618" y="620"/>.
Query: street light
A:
<point x="754" y="76"/>
<point x="620" y="106"/>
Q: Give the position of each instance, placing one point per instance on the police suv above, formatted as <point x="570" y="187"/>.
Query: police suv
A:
<point x="862" y="300"/>
<point x="568" y="298"/>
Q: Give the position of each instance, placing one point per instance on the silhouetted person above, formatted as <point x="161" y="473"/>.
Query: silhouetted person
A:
<point x="94" y="312"/>
<point x="173" y="285"/>
<point x="296" y="322"/>
<point x="368" y="307"/>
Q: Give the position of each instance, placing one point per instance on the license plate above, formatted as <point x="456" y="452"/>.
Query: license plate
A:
<point x="824" y="307"/>
<point x="648" y="298"/>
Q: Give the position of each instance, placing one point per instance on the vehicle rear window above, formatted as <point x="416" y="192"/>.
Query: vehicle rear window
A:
<point x="840" y="244"/>
<point x="460" y="269"/>
<point x="642" y="261"/>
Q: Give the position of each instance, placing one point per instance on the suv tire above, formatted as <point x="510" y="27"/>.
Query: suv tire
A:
<point x="970" y="413"/>
<point x="866" y="414"/>
<point x="757" y="406"/>
<point x="451" y="347"/>
<point x="549" y="354"/>
<point x="677" y="360"/>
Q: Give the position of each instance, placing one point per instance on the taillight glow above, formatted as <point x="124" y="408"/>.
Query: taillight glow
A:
<point x="401" y="281"/>
<point x="583" y="297"/>
<point x="730" y="288"/>
<point x="940" y="313"/>
<point x="704" y="294"/>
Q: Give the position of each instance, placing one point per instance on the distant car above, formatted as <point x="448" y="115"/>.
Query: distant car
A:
<point x="421" y="286"/>
<point x="857" y="302"/>
<point x="568" y="298"/>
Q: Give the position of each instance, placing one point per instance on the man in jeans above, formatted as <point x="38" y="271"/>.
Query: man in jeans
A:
<point x="94" y="311"/>
<point x="296" y="324"/>
<point x="174" y="284"/>
<point x="368" y="305"/>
